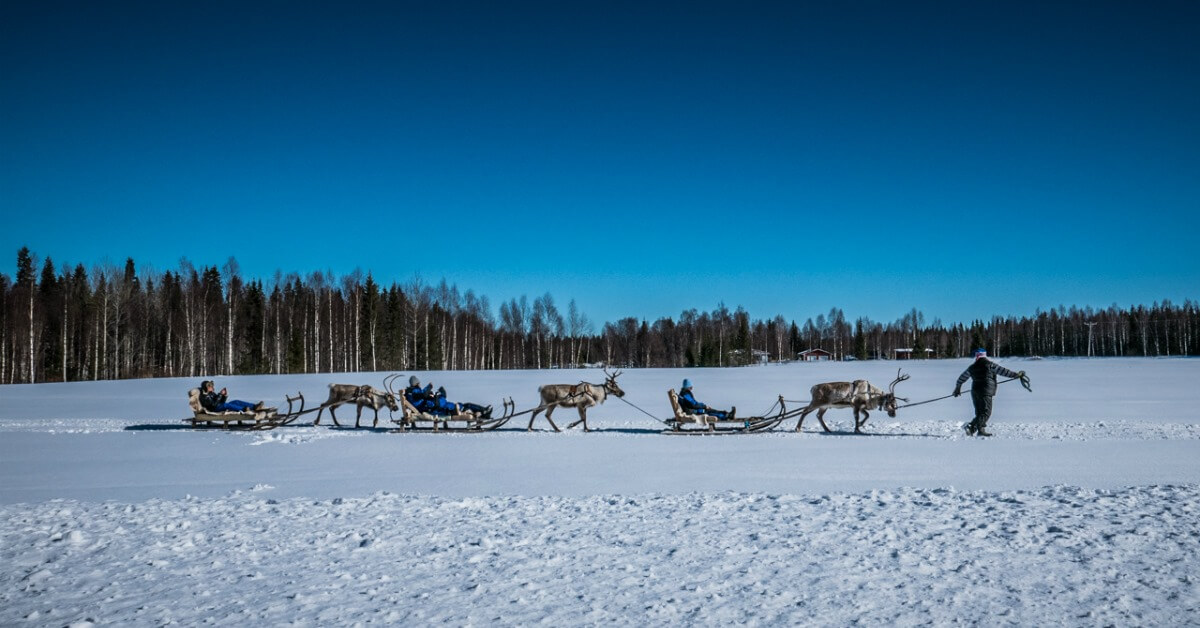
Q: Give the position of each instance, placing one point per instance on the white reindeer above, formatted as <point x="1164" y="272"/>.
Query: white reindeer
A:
<point x="858" y="395"/>
<point x="581" y="396"/>
<point x="361" y="396"/>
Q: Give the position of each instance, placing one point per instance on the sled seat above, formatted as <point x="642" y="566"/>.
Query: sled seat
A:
<point x="411" y="415"/>
<point x="684" y="417"/>
<point x="229" y="416"/>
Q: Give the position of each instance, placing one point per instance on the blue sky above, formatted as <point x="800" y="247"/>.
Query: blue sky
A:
<point x="965" y="159"/>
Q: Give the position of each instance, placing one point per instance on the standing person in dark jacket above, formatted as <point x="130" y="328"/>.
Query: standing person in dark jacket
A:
<point x="983" y="374"/>
<point x="687" y="401"/>
<point x="219" y="401"/>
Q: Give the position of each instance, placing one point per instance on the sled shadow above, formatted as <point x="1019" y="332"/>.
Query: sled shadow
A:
<point x="577" y="430"/>
<point x="874" y="434"/>
<point x="158" y="427"/>
<point x="626" y="430"/>
<point x="350" y="428"/>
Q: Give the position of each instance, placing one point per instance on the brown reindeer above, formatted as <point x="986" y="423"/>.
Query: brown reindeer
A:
<point x="858" y="395"/>
<point x="361" y="396"/>
<point x="581" y="396"/>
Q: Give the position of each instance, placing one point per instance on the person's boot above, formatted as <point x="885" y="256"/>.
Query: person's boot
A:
<point x="982" y="430"/>
<point x="733" y="413"/>
<point x="971" y="428"/>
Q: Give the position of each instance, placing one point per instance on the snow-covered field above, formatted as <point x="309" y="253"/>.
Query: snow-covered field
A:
<point x="1084" y="509"/>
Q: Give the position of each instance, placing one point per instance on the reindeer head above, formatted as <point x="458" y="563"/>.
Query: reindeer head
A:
<point x="888" y="401"/>
<point x="610" y="383"/>
<point x="390" y="396"/>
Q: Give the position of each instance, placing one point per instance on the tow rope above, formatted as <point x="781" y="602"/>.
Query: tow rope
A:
<point x="1024" y="382"/>
<point x="643" y="411"/>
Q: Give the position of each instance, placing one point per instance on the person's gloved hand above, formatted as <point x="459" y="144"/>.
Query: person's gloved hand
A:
<point x="957" y="391"/>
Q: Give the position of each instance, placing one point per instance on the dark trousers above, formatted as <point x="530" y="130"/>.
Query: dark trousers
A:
<point x="983" y="408"/>
<point x="473" y="407"/>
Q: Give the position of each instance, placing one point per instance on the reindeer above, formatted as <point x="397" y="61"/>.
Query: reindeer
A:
<point x="362" y="396"/>
<point x="859" y="395"/>
<point x="581" y="396"/>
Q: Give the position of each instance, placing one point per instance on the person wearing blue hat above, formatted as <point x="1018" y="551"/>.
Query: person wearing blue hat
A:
<point x="435" y="402"/>
<point x="687" y="401"/>
<point x="982" y="373"/>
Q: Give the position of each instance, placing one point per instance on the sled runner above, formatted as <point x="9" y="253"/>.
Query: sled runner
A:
<point x="262" y="419"/>
<point x="685" y="423"/>
<point x="465" y="421"/>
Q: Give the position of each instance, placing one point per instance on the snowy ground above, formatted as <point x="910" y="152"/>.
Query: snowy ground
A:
<point x="1082" y="510"/>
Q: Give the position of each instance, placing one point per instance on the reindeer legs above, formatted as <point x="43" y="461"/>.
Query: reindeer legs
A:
<point x="582" y="419"/>
<point x="322" y="411"/>
<point x="803" y="413"/>
<point x="858" y="425"/>
<point x="549" y="411"/>
<point x="821" y="418"/>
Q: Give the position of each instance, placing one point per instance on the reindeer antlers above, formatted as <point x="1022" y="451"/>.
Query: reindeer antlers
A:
<point x="611" y="376"/>
<point x="899" y="378"/>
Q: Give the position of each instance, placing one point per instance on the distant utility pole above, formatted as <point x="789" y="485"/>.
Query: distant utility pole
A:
<point x="1090" y="326"/>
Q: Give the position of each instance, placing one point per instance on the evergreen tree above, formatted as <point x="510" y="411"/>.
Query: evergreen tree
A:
<point x="860" y="340"/>
<point x="49" y="308"/>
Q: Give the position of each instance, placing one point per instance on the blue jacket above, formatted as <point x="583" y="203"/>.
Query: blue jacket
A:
<point x="425" y="400"/>
<point x="689" y="404"/>
<point x="420" y="398"/>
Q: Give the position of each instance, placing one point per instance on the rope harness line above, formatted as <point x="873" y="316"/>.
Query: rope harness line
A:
<point x="576" y="392"/>
<point x="634" y="406"/>
<point x="771" y="409"/>
<point x="1003" y="381"/>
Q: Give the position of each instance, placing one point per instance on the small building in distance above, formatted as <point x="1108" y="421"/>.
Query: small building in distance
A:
<point x="909" y="354"/>
<point x="814" y="355"/>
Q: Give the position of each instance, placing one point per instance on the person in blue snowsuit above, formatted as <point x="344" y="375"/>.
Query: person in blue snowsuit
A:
<point x="213" y="401"/>
<point x="689" y="404"/>
<point x="434" y="402"/>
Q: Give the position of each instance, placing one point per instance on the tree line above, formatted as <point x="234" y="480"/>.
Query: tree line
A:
<point x="72" y="323"/>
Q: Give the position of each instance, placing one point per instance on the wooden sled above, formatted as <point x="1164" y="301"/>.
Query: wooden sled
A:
<point x="706" y="424"/>
<point x="413" y="419"/>
<point x="264" y="419"/>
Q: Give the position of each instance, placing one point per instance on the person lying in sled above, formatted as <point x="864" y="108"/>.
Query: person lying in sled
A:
<point x="213" y="401"/>
<point x="687" y="401"/>
<point x="434" y="402"/>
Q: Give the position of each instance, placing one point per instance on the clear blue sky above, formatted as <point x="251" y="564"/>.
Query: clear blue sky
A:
<point x="962" y="158"/>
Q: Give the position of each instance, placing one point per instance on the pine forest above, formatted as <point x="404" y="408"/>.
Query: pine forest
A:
<point x="108" y="322"/>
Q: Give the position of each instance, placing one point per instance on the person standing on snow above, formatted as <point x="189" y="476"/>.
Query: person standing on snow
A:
<point x="983" y="374"/>
<point x="688" y="403"/>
